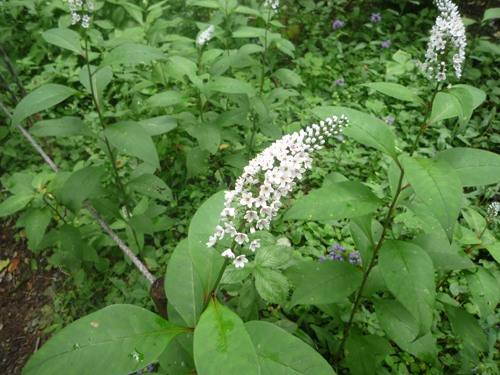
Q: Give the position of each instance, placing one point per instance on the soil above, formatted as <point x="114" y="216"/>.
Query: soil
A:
<point x="27" y="311"/>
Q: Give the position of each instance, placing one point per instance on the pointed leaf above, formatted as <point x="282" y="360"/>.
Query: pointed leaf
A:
<point x="409" y="275"/>
<point x="15" y="203"/>
<point x="273" y="256"/>
<point x="120" y="338"/>
<point x="359" y="355"/>
<point x="484" y="289"/>
<point x="166" y="99"/>
<point x="475" y="167"/>
<point x="151" y="186"/>
<point x="396" y="91"/>
<point x="80" y="185"/>
<point x="337" y="201"/>
<point x="442" y="108"/>
<point x="230" y="86"/>
<point x="271" y="285"/>
<point x="131" y="53"/>
<point x="281" y="353"/>
<point x="322" y="283"/>
<point x="100" y="79"/>
<point x="208" y="136"/>
<point x="64" y="38"/>
<point x="467" y="327"/>
<point x="41" y="98"/>
<point x="130" y="138"/>
<point x="61" y="127"/>
<point x="288" y="77"/>
<point x="159" y="125"/>
<point x="438" y="185"/>
<point x="222" y="345"/>
<point x="36" y="223"/>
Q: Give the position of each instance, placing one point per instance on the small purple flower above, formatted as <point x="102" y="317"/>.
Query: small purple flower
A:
<point x="388" y="120"/>
<point x="474" y="369"/>
<point x="150" y="368"/>
<point x="139" y="372"/>
<point x="417" y="62"/>
<point x="376" y="17"/>
<point x="322" y="258"/>
<point x="337" y="24"/>
<point x="339" y="82"/>
<point x="386" y="44"/>
<point x="341" y="139"/>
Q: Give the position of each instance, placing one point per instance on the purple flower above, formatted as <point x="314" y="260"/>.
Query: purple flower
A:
<point x="376" y="17"/>
<point x="139" y="372"/>
<point x="339" y="82"/>
<point x="337" y="24"/>
<point x="322" y="258"/>
<point x="474" y="369"/>
<point x="388" y="120"/>
<point x="150" y="367"/>
<point x="341" y="139"/>
<point x="417" y="62"/>
<point x="386" y="44"/>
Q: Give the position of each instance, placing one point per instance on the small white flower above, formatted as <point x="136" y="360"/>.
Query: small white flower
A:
<point x="247" y="200"/>
<point x="251" y="216"/>
<point x="231" y="230"/>
<point x="78" y="3"/>
<point x="76" y="18"/>
<point x="90" y="5"/>
<point x="240" y="261"/>
<point x="212" y="241"/>
<point x="241" y="237"/>
<point x="254" y="244"/>
<point x="220" y="232"/>
<point x="228" y="253"/>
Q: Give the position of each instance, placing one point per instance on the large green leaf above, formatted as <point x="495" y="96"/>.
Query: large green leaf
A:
<point x="478" y="95"/>
<point x="359" y="355"/>
<point x="475" y="167"/>
<point x="438" y="185"/>
<point x="131" y="53"/>
<point x="37" y="221"/>
<point x="183" y="285"/>
<point x="402" y="328"/>
<point x="65" y="38"/>
<point x="208" y="136"/>
<point x="467" y="327"/>
<point x="322" y="283"/>
<point x="409" y="275"/>
<point x="484" y="289"/>
<point x="166" y="99"/>
<point x="273" y="256"/>
<point x="159" y="125"/>
<point x="271" y="285"/>
<point x="16" y="203"/>
<point x="288" y="77"/>
<point x="196" y="162"/>
<point x="365" y="129"/>
<point x="118" y="339"/>
<point x="462" y="100"/>
<point x="337" y="201"/>
<point x="100" y="79"/>
<point x="231" y="86"/>
<point x="444" y="256"/>
<point x="207" y="260"/>
<point x="491" y="13"/>
<point x="281" y="353"/>
<point x="61" y="127"/>
<point x="82" y="184"/>
<point x="442" y="108"/>
<point x="130" y="138"/>
<point x="222" y="345"/>
<point x="41" y="98"/>
<point x="396" y="91"/>
<point x="151" y="186"/>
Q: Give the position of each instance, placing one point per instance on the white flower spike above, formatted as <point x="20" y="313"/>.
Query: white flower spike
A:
<point x="206" y="35"/>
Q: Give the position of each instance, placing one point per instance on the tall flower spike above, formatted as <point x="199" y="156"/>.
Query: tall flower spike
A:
<point x="270" y="176"/>
<point x="447" y="35"/>
<point x="206" y="35"/>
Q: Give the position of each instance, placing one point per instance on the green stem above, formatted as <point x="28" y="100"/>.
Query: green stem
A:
<point x="54" y="209"/>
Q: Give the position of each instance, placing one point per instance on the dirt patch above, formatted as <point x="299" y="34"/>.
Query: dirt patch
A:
<point x="26" y="308"/>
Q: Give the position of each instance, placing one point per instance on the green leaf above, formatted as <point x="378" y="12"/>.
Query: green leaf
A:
<point x="129" y="137"/>
<point x="37" y="222"/>
<point x="365" y="129"/>
<point x="359" y="355"/>
<point x="322" y="283"/>
<point x="207" y="260"/>
<point x="159" y="125"/>
<point x="475" y="167"/>
<point x="230" y="86"/>
<point x="64" y="38"/>
<point x="271" y="285"/>
<point x="208" y="136"/>
<point x="100" y="79"/>
<point x="366" y="233"/>
<point x="462" y="100"/>
<point x="442" y="108"/>
<point x="207" y="4"/>
<point x="395" y="91"/>
<point x="176" y="359"/>
<point x="467" y="327"/>
<point x="342" y="200"/>
<point x="273" y="256"/>
<point x="234" y="275"/>
<point x="246" y="10"/>
<point x="409" y="275"/>
<point x="82" y="184"/>
<point x="444" y="256"/>
<point x="183" y="285"/>
<point x="196" y="162"/>
<point x="402" y="328"/>
<point x="132" y="53"/>
<point x="119" y="339"/>
<point x="475" y="220"/>
<point x="61" y="127"/>
<point x="491" y="13"/>
<point x="222" y="345"/>
<point x="493" y="249"/>
<point x="15" y="203"/>
<point x="484" y="289"/>
<point x="478" y="95"/>
<point x="41" y="98"/>
<point x="281" y="353"/>
<point x="166" y="98"/>
<point x="438" y="185"/>
<point x="151" y="186"/>
<point x="288" y="77"/>
<point x="249" y="32"/>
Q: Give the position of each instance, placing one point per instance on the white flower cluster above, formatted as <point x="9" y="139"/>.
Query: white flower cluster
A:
<point x="447" y="34"/>
<point x="206" y="35"/>
<point x="73" y="4"/>
<point x="270" y="176"/>
<point x="273" y="4"/>
<point x="495" y="207"/>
